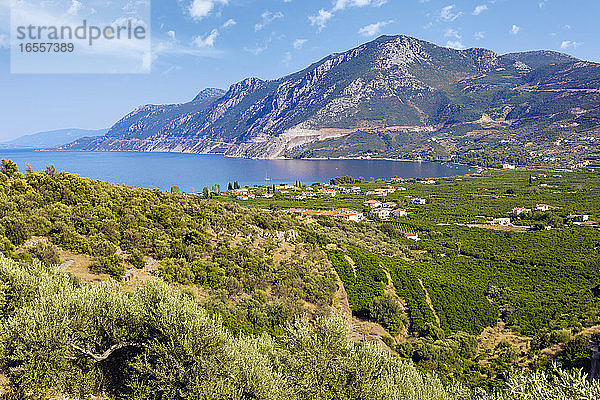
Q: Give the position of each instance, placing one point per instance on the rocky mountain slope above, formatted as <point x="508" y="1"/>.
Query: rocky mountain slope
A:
<point x="396" y="95"/>
<point x="50" y="139"/>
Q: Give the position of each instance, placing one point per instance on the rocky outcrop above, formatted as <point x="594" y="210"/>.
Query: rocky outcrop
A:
<point x="391" y="81"/>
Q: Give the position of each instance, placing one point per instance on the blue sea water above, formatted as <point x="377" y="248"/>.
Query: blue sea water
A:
<point x="163" y="170"/>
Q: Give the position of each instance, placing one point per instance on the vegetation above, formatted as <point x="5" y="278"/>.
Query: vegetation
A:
<point x="60" y="337"/>
<point x="253" y="274"/>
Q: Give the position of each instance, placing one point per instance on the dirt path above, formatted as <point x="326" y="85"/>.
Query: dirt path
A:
<point x="340" y="300"/>
<point x="429" y="303"/>
<point x="351" y="262"/>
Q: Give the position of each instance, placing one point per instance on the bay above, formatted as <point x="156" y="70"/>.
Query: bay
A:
<point x="194" y="171"/>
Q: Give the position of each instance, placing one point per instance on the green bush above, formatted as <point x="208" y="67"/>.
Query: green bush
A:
<point x="46" y="253"/>
<point x="386" y="310"/>
<point x="111" y="265"/>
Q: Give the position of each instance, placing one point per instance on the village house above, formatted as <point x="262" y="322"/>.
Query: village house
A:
<point x="399" y="212"/>
<point x="412" y="236"/>
<point x="328" y="192"/>
<point x="418" y="202"/>
<point x="372" y="203"/>
<point x="578" y="218"/>
<point x="344" y="213"/>
<point x="355" y="189"/>
<point x="381" y="213"/>
<point x="501" y="221"/>
<point x="542" y="207"/>
<point x="389" y="205"/>
<point x="396" y="179"/>
<point x="286" y="188"/>
<point x="520" y="210"/>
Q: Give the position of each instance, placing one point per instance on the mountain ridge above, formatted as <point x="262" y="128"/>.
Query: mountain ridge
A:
<point x="51" y="139"/>
<point x="395" y="82"/>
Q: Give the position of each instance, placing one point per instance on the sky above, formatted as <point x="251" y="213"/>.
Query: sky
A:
<point x="197" y="44"/>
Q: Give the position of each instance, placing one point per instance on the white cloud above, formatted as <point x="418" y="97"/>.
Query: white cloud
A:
<point x="75" y="7"/>
<point x="171" y="34"/>
<point x="323" y="16"/>
<point x="342" y="4"/>
<point x="256" y="50"/>
<point x="373" y="29"/>
<point x="567" y="26"/>
<point x="266" y="18"/>
<point x="448" y="13"/>
<point x="207" y="41"/>
<point x="298" y="43"/>
<point x="452" y="33"/>
<point x="202" y="8"/>
<point x="229" y="23"/>
<point x="4" y="41"/>
<point x="569" y="44"/>
<point x="287" y="59"/>
<point x="478" y="35"/>
<point x="321" y="19"/>
<point x="514" y="30"/>
<point x="455" y="44"/>
<point x="479" y="9"/>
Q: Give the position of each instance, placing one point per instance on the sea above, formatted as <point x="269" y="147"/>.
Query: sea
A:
<point x="192" y="172"/>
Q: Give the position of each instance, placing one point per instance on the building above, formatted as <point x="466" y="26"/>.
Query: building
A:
<point x="381" y="213"/>
<point x="542" y="207"/>
<point x="508" y="166"/>
<point x="520" y="210"/>
<point x="501" y="221"/>
<point x="399" y="212"/>
<point x="389" y="205"/>
<point x="355" y="189"/>
<point x="344" y="213"/>
<point x="412" y="236"/>
<point x="418" y="202"/>
<point x="328" y="192"/>
<point x="578" y="218"/>
<point x="372" y="203"/>
<point x="347" y="214"/>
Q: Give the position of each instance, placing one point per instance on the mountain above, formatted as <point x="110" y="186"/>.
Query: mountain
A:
<point x="51" y="139"/>
<point x="395" y="96"/>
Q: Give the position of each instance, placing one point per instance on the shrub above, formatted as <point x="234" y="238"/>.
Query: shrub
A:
<point x="386" y="310"/>
<point x="112" y="265"/>
<point x="46" y="253"/>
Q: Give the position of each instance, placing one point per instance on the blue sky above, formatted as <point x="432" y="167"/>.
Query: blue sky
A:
<point x="214" y="43"/>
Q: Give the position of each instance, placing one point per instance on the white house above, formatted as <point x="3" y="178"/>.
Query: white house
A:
<point x="412" y="236"/>
<point x="399" y="213"/>
<point x="501" y="221"/>
<point x="418" y="202"/>
<point x="372" y="203"/>
<point x="542" y="207"/>
<point x="381" y="213"/>
<point x="520" y="210"/>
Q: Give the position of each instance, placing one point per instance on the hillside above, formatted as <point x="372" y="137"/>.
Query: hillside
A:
<point x="395" y="96"/>
<point x="470" y="300"/>
<point x="51" y="139"/>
